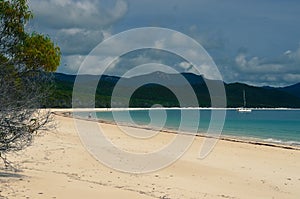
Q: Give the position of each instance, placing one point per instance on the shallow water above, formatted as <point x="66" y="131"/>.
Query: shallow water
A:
<point x="279" y="126"/>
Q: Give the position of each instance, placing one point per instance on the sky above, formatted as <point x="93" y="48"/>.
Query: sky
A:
<point x="255" y="42"/>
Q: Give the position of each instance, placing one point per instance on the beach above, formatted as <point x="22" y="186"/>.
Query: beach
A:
<point x="57" y="165"/>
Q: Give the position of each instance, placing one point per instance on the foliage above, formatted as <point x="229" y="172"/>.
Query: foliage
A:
<point x="39" y="51"/>
<point x="148" y="95"/>
<point x="25" y="59"/>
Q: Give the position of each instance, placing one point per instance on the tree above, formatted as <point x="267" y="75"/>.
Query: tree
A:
<point x="25" y="82"/>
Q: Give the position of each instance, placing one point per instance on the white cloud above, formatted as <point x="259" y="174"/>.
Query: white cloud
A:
<point x="288" y="52"/>
<point x="291" y="78"/>
<point x="78" y="41"/>
<point x="241" y="60"/>
<point x="256" y="65"/>
<point x="77" y="26"/>
<point x="281" y="70"/>
<point x="119" y="10"/>
<point x="159" y="44"/>
<point x="294" y="56"/>
<point x="90" y="14"/>
<point x="185" y="65"/>
<point x="71" y="31"/>
<point x="71" y="64"/>
<point x="78" y="64"/>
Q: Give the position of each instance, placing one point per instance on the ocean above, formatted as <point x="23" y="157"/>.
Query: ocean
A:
<point x="276" y="126"/>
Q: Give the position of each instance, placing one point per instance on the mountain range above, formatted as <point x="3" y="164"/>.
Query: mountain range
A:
<point x="147" y="95"/>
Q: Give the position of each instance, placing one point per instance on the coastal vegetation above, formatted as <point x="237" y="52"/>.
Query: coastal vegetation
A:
<point x="151" y="94"/>
<point x="26" y="58"/>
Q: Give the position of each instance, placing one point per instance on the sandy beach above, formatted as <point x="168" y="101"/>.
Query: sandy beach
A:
<point x="58" y="166"/>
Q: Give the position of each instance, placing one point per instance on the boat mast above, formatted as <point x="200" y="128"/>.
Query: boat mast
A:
<point x="244" y="95"/>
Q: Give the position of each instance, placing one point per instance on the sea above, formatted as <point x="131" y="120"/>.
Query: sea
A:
<point x="280" y="126"/>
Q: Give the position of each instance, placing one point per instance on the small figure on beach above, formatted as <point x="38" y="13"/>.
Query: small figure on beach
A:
<point x="90" y="115"/>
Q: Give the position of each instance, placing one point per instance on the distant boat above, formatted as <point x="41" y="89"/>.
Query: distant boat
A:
<point x="244" y="109"/>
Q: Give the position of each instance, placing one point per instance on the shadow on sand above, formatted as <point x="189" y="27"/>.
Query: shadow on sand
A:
<point x="7" y="174"/>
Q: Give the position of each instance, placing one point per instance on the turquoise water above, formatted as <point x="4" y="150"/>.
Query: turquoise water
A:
<point x="282" y="126"/>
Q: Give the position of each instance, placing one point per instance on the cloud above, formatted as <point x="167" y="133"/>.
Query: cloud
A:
<point x="78" y="41"/>
<point x="293" y="56"/>
<point x="77" y="26"/>
<point x="87" y="14"/>
<point x="291" y="77"/>
<point x="256" y="65"/>
<point x="185" y="65"/>
<point x="281" y="70"/>
<point x="131" y="60"/>
<point x="70" y="64"/>
<point x="209" y="39"/>
<point x="90" y="64"/>
<point x="176" y="51"/>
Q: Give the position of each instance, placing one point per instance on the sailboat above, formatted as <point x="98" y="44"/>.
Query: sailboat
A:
<point x="244" y="109"/>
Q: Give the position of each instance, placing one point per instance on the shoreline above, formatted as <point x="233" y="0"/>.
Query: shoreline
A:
<point x="162" y="108"/>
<point x="58" y="165"/>
<point x="236" y="139"/>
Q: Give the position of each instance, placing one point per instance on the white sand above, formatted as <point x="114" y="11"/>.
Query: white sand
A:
<point x="58" y="166"/>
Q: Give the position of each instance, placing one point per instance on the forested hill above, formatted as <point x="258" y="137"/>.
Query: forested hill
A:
<point x="150" y="94"/>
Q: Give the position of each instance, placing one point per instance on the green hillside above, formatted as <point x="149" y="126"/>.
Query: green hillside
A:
<point x="151" y="94"/>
